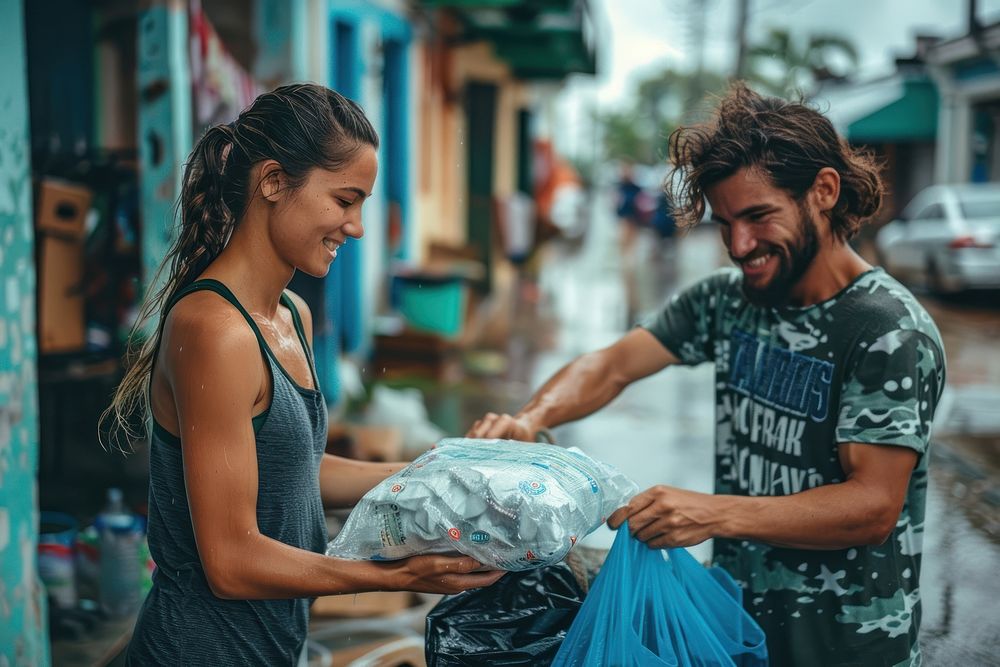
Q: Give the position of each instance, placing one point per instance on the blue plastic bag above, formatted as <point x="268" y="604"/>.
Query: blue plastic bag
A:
<point x="647" y="610"/>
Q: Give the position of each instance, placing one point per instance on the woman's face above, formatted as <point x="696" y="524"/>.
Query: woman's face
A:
<point x="316" y="219"/>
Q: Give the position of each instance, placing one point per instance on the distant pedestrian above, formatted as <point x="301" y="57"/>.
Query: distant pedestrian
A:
<point x="627" y="207"/>
<point x="827" y="376"/>
<point x="238" y="473"/>
<point x="664" y="223"/>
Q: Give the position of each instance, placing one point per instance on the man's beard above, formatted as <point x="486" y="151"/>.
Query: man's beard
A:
<point x="793" y="261"/>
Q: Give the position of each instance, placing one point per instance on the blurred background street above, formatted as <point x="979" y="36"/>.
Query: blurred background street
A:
<point x="495" y="248"/>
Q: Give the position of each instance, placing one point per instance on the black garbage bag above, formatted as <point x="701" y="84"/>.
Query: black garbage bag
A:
<point x="520" y="620"/>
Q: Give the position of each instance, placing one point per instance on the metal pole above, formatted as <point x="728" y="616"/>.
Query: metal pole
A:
<point x="742" y="14"/>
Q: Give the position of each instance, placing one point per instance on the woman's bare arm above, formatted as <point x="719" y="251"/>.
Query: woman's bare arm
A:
<point x="215" y="371"/>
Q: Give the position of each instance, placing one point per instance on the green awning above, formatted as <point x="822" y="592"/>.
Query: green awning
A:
<point x="537" y="44"/>
<point x="539" y="39"/>
<point x="545" y="54"/>
<point x="912" y="117"/>
<point x="543" y="5"/>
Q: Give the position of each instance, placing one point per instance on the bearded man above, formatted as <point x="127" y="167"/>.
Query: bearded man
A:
<point x="828" y="373"/>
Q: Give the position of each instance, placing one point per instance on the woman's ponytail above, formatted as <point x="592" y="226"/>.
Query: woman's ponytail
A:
<point x="208" y="210"/>
<point x="207" y="218"/>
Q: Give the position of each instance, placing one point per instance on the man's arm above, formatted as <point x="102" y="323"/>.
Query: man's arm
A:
<point x="583" y="386"/>
<point x="861" y="510"/>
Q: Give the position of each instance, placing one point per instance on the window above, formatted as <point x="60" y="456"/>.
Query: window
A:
<point x="980" y="208"/>
<point x="932" y="212"/>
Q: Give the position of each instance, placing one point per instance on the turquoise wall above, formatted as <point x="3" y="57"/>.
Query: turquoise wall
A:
<point x="164" y="127"/>
<point x="23" y="622"/>
<point x="369" y="47"/>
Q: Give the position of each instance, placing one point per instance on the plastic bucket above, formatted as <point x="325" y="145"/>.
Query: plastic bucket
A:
<point x="433" y="304"/>
<point x="56" y="536"/>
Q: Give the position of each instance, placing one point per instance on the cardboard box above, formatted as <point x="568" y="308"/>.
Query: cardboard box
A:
<point x="61" y="326"/>
<point x="394" y="652"/>
<point x="380" y="444"/>
<point x="414" y="353"/>
<point x="62" y="208"/>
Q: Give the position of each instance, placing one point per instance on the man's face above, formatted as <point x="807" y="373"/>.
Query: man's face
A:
<point x="772" y="237"/>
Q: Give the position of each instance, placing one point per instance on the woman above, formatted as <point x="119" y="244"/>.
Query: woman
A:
<point x="238" y="473"/>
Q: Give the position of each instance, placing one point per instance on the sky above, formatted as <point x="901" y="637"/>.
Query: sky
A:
<point x="641" y="37"/>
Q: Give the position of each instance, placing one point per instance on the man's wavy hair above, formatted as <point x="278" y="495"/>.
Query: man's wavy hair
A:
<point x="789" y="142"/>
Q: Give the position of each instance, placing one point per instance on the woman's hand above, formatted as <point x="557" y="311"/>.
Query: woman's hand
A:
<point x="443" y="574"/>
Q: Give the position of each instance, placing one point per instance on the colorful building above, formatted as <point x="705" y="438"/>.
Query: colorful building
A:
<point x="113" y="94"/>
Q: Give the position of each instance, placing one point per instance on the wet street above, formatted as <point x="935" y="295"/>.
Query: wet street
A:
<point x="660" y="430"/>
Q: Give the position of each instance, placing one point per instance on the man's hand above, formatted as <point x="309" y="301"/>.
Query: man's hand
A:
<point x="504" y="426"/>
<point x="664" y="516"/>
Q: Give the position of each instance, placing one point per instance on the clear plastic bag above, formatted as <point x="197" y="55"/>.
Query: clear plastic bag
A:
<point x="645" y="610"/>
<point x="510" y="505"/>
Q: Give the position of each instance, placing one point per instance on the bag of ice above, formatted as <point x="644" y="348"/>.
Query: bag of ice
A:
<point x="510" y="505"/>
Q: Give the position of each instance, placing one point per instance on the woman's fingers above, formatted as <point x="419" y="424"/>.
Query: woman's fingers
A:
<point x="462" y="582"/>
<point x="451" y="574"/>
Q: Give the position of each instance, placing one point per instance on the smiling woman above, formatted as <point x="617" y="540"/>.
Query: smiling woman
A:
<point x="239" y="477"/>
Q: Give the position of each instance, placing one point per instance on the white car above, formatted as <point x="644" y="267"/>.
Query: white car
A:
<point x="947" y="239"/>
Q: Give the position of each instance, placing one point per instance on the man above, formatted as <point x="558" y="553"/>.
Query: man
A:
<point x="828" y="372"/>
<point x="627" y="208"/>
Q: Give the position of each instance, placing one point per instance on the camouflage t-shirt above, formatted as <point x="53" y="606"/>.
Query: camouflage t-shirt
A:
<point x="864" y="366"/>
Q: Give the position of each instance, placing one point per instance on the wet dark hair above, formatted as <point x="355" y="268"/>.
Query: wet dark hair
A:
<point x="301" y="127"/>
<point x="786" y="141"/>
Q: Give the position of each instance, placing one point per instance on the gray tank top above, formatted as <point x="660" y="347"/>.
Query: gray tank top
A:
<point x="181" y="622"/>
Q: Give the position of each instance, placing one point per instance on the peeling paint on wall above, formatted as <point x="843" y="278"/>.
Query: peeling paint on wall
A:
<point x="164" y="127"/>
<point x="23" y="631"/>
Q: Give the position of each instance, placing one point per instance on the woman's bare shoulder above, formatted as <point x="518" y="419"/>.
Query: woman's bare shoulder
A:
<point x="212" y="331"/>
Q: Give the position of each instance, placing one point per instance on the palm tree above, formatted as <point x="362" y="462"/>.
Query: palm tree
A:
<point x="782" y="64"/>
<point x="662" y="101"/>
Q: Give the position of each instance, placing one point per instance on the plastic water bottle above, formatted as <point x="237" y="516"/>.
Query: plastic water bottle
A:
<point x="120" y="564"/>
